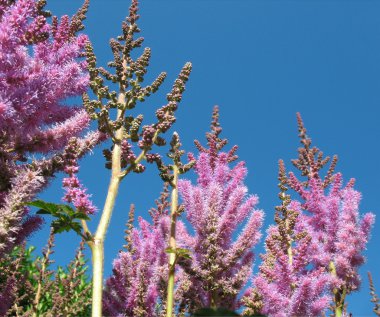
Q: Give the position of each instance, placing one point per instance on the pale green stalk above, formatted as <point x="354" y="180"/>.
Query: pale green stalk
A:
<point x="339" y="295"/>
<point x="172" y="244"/>
<point x="97" y="244"/>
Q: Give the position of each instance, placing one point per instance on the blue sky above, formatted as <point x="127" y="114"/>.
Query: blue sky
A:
<point x="261" y="62"/>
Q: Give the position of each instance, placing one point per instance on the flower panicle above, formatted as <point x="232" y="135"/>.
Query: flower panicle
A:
<point x="129" y="74"/>
<point x="42" y="66"/>
<point x="220" y="265"/>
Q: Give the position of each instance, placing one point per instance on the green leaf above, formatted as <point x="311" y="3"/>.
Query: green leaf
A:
<point x="64" y="214"/>
<point x="43" y="212"/>
<point x="183" y="253"/>
<point x="50" y="207"/>
<point x="170" y="250"/>
<point x="81" y="215"/>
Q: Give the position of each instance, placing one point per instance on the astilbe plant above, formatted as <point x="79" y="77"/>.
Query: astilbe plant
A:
<point x="287" y="284"/>
<point x="220" y="264"/>
<point x="139" y="272"/>
<point x="334" y="235"/>
<point x="37" y="290"/>
<point x="41" y="65"/>
<point x="125" y="129"/>
<point x="143" y="280"/>
<point x="75" y="192"/>
<point x="331" y="215"/>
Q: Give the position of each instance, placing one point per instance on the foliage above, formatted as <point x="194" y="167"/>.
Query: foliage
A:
<point x="66" y="216"/>
<point x="39" y="290"/>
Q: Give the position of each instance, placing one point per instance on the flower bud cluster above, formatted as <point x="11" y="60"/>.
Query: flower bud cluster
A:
<point x="75" y="192"/>
<point x="129" y="75"/>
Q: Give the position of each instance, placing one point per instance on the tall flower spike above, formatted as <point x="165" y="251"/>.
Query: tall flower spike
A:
<point x="137" y="284"/>
<point x="214" y="143"/>
<point x="330" y="212"/>
<point x="170" y="174"/>
<point x="128" y="230"/>
<point x="75" y="192"/>
<point x="220" y="265"/>
<point x="375" y="299"/>
<point x="285" y="284"/>
<point x="15" y="224"/>
<point x="162" y="205"/>
<point x="112" y="110"/>
<point x="40" y="67"/>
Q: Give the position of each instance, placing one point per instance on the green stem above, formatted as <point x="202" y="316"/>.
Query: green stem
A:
<point x="289" y="250"/>
<point x="172" y="244"/>
<point x="339" y="294"/>
<point x="97" y="245"/>
<point x="214" y="298"/>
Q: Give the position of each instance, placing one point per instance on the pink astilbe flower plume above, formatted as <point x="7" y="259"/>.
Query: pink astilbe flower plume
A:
<point x="287" y="284"/>
<point x="316" y="247"/>
<point x="41" y="65"/>
<point x="220" y="265"/>
<point x="75" y="192"/>
<point x="133" y="289"/>
<point x="330" y="212"/>
<point x="138" y="284"/>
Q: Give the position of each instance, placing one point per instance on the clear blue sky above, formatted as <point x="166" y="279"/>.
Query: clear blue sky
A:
<point x="261" y="62"/>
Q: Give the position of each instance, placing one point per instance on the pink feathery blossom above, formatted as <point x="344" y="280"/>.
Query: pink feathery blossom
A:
<point x="330" y="212"/>
<point x="220" y="265"/>
<point x="75" y="192"/>
<point x="288" y="283"/>
<point x="322" y="237"/>
<point x="138" y="284"/>
<point x="41" y="65"/>
<point x="339" y="234"/>
<point x="135" y="287"/>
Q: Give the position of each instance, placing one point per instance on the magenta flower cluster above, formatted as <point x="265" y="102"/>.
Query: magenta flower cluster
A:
<point x="316" y="249"/>
<point x="41" y="65"/>
<point x="75" y="191"/>
<point x="135" y="287"/>
<point x="220" y="265"/>
<point x="339" y="235"/>
<point x="39" y="69"/>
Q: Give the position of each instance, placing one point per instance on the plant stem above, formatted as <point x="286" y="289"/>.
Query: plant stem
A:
<point x="289" y="250"/>
<point x="172" y="243"/>
<point x="339" y="294"/>
<point x="97" y="245"/>
<point x="214" y="300"/>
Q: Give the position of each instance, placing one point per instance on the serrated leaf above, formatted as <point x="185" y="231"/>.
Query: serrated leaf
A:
<point x="66" y="209"/>
<point x="81" y="215"/>
<point x="52" y="208"/>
